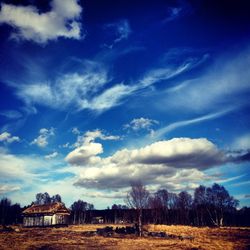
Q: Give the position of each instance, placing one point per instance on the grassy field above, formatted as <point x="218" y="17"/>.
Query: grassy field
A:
<point x="73" y="237"/>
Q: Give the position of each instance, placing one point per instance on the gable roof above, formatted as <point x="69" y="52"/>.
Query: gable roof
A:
<point x="53" y="208"/>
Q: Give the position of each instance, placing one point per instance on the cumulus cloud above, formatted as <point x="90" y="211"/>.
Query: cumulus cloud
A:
<point x="44" y="135"/>
<point x="51" y="156"/>
<point x="140" y="123"/>
<point x="159" y="163"/>
<point x="177" y="153"/>
<point x="7" y="137"/>
<point x="86" y="150"/>
<point x="85" y="154"/>
<point x="29" y="24"/>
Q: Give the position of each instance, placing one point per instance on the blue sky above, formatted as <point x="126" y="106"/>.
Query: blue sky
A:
<point x="97" y="94"/>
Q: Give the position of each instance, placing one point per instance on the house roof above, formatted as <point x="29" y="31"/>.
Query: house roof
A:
<point x="53" y="208"/>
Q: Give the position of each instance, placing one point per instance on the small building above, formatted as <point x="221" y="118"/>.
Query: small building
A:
<point x="53" y="214"/>
<point x="97" y="220"/>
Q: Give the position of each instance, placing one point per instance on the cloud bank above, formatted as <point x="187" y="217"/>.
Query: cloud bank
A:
<point x="158" y="163"/>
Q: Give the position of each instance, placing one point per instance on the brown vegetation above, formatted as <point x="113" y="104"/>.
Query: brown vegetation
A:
<point x="73" y="237"/>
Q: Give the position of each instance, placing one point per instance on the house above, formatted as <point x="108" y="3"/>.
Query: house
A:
<point x="46" y="215"/>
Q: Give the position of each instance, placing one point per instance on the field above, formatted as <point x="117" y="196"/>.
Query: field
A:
<point x="73" y="237"/>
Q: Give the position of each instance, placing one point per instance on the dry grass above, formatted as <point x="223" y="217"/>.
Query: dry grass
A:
<point x="72" y="237"/>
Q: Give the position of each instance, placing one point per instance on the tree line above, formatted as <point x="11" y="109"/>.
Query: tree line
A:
<point x="209" y="206"/>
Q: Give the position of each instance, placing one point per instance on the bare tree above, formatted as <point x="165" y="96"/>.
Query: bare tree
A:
<point x="137" y="198"/>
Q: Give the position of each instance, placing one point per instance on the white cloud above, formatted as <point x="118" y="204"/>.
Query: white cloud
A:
<point x="242" y="142"/>
<point x="51" y="156"/>
<point x="163" y="131"/>
<point x="87" y="89"/>
<point x="177" y="153"/>
<point x="161" y="74"/>
<point x="8" y="188"/>
<point x="7" y="137"/>
<point x="109" y="98"/>
<point x="85" y="154"/>
<point x="86" y="149"/>
<point x="140" y="123"/>
<point x="119" y="31"/>
<point x="28" y="175"/>
<point x="61" y="21"/>
<point x="42" y="139"/>
<point x="116" y="94"/>
<point x="65" y="145"/>
<point x="11" y="114"/>
<point x="92" y="135"/>
<point x="15" y="168"/>
<point x="223" y="84"/>
<point x="180" y="9"/>
<point x="159" y="163"/>
<point x="75" y="131"/>
<point x="72" y="89"/>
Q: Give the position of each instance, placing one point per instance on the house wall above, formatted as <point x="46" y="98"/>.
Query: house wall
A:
<point x="48" y="219"/>
<point x="45" y="220"/>
<point x="33" y="221"/>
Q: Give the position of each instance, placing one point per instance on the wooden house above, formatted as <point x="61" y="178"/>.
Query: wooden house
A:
<point x="53" y="214"/>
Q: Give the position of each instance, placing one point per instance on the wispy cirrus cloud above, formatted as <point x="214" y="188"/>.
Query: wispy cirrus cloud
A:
<point x="169" y="71"/>
<point x="61" y="21"/>
<point x="93" y="88"/>
<point x="68" y="90"/>
<point x="115" y="95"/>
<point x="223" y="83"/>
<point x="11" y="114"/>
<point x="163" y="131"/>
<point x="109" y="98"/>
<point x="117" y="32"/>
<point x="180" y="9"/>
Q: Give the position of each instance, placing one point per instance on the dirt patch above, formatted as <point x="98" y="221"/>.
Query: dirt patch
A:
<point x="74" y="237"/>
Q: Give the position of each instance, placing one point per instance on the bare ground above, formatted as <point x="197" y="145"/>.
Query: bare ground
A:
<point x="73" y="237"/>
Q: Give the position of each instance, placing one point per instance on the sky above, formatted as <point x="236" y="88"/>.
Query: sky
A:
<point x="95" y="95"/>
